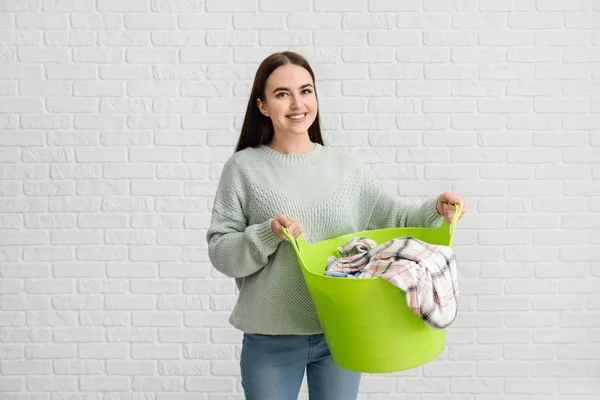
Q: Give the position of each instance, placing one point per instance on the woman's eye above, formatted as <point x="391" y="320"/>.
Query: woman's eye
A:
<point x="281" y="94"/>
<point x="307" y="91"/>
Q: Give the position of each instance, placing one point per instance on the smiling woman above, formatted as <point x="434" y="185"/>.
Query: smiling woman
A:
<point x="282" y="175"/>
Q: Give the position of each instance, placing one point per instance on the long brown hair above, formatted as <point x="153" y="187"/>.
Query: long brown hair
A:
<point x="257" y="128"/>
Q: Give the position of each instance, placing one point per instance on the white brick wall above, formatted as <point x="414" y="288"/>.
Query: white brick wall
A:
<point x="116" y="117"/>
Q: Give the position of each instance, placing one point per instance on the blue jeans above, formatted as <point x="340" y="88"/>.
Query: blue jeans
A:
<point x="273" y="369"/>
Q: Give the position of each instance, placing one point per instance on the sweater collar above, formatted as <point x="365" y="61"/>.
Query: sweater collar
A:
<point x="276" y="156"/>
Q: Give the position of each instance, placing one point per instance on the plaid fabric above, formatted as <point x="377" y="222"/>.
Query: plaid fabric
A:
<point x="426" y="273"/>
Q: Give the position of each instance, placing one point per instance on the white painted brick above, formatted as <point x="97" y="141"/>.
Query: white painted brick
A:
<point x="71" y="105"/>
<point x="25" y="335"/>
<point x="47" y="254"/>
<point x="117" y="6"/>
<point x="43" y="89"/>
<point x="146" y="335"/>
<point x="129" y="72"/>
<point x="326" y="72"/>
<point x="177" y="38"/>
<point x="557" y="369"/>
<point x="21" y="72"/>
<point x="93" y="89"/>
<point x="504" y="38"/>
<point x="31" y="237"/>
<point x="72" y="39"/>
<point x="567" y="172"/>
<point x="42" y="21"/>
<point x="11" y="319"/>
<point x="98" y="55"/>
<point x="182" y="270"/>
<point x="79" y="367"/>
<point x="74" y="204"/>
<point x="117" y="302"/>
<point x="452" y="5"/>
<point x="33" y="121"/>
<point x="572" y="38"/>
<point x="578" y="352"/>
<point x="536" y="20"/>
<point x="576" y="55"/>
<point x="161" y="384"/>
<point x="375" y="55"/>
<point x="90" y="154"/>
<point x="421" y="385"/>
<point x="52" y="384"/>
<point x="484" y="55"/>
<point x="110" y="318"/>
<point x="506" y="72"/>
<point x="25" y="270"/>
<point x="46" y="351"/>
<point x="11" y="384"/>
<point x="183" y="6"/>
<point x="448" y="38"/>
<point x="531" y="386"/>
<point x="99" y="253"/>
<point x="95" y="21"/>
<point x="482" y="122"/>
<point x="54" y="286"/>
<point x="152" y="121"/>
<point x="123" y="38"/>
<point x="154" y="351"/>
<point x="213" y="21"/>
<point x="227" y="336"/>
<point x="102" y="220"/>
<point x="115" y="367"/>
<point x="221" y="39"/>
<point x="151" y="56"/>
<point x="150" y="21"/>
<point x="194" y="384"/>
<point x="557" y="5"/>
<point x="129" y="237"/>
<point x="564" y="105"/>
<point x="183" y="335"/>
<point x="25" y="367"/>
<point x="77" y="302"/>
<point x="508" y="106"/>
<point x="18" y="105"/>
<point x="6" y="20"/>
<point x="103" y="383"/>
<point x="103" y="351"/>
<point x="24" y="303"/>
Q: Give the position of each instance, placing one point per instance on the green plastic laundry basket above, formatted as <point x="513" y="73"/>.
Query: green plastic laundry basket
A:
<point x="367" y="323"/>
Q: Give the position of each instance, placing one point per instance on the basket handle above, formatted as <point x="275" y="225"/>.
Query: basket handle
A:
<point x="455" y="218"/>
<point x="294" y="244"/>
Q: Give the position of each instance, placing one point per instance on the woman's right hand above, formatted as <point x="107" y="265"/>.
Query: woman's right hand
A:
<point x="294" y="227"/>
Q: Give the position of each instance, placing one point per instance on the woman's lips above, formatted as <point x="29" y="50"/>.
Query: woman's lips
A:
<point x="301" y="119"/>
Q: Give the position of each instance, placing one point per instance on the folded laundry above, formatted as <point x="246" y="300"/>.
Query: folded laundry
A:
<point x="427" y="273"/>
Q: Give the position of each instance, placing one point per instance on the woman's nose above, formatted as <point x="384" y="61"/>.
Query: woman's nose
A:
<point x="293" y="102"/>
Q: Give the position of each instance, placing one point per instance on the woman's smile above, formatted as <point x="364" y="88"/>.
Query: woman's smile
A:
<point x="297" y="117"/>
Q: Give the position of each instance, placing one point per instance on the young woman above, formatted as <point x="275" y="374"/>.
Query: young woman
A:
<point x="282" y="175"/>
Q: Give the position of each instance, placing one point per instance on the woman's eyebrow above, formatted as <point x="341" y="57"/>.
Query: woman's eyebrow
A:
<point x="301" y="87"/>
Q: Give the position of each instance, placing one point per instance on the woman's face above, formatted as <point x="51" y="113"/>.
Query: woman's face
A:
<point x="290" y="100"/>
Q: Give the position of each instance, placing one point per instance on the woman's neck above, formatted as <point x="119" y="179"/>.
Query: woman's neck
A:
<point x="298" y="145"/>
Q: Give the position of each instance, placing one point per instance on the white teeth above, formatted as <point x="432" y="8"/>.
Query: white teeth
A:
<point x="297" y="116"/>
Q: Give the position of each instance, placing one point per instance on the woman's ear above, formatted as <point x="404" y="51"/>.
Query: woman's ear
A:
<point x="262" y="107"/>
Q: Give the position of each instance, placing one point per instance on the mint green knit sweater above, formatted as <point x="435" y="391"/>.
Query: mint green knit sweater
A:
<point x="328" y="191"/>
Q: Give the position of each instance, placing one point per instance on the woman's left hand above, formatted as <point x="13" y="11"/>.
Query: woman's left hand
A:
<point x="445" y="205"/>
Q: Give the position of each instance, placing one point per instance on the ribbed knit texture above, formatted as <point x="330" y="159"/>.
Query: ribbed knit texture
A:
<point x="328" y="191"/>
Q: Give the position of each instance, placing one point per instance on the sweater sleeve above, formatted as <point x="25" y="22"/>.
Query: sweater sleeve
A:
<point x="234" y="248"/>
<point x="386" y="210"/>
